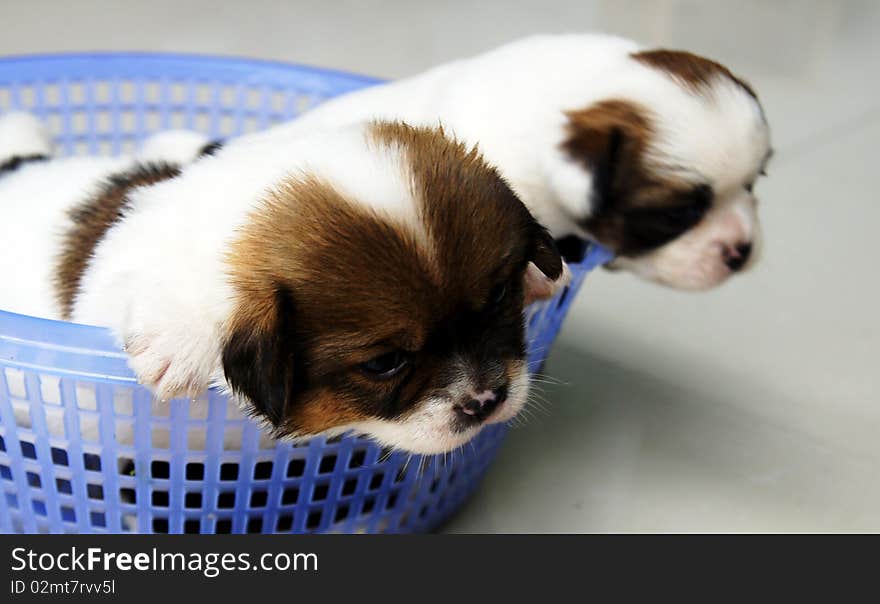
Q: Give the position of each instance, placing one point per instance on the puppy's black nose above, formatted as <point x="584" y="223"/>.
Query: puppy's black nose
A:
<point x="737" y="257"/>
<point x="482" y="405"/>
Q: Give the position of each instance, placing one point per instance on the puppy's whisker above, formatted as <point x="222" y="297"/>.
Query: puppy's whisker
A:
<point x="386" y="455"/>
<point x="538" y="392"/>
<point x="547" y="378"/>
<point x="532" y="416"/>
<point x="406" y="463"/>
<point x="535" y="388"/>
<point x="534" y="403"/>
<point x="550" y="381"/>
<point x="537" y="349"/>
<point x="524" y="417"/>
<point x="539" y="406"/>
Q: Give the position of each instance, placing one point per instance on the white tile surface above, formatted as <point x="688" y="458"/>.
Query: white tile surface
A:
<point x="752" y="408"/>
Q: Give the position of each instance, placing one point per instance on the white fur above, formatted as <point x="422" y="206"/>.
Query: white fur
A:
<point x="510" y="102"/>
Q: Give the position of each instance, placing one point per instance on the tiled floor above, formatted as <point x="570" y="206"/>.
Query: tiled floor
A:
<point x="752" y="408"/>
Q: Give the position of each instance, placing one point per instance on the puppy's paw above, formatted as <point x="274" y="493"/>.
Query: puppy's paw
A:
<point x="169" y="365"/>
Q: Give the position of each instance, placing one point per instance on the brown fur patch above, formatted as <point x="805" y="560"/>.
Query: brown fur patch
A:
<point x="91" y="221"/>
<point x="310" y="238"/>
<point x="325" y="410"/>
<point x="590" y="132"/>
<point x="693" y="71"/>
<point x="629" y="200"/>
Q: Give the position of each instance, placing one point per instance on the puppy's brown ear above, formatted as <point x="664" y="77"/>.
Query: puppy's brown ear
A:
<point x="545" y="254"/>
<point x="546" y="272"/>
<point x="259" y="358"/>
<point x="609" y="138"/>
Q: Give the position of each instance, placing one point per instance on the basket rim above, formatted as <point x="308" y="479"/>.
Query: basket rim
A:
<point x="219" y="59"/>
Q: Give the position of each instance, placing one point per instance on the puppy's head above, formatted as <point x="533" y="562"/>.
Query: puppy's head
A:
<point x="387" y="297"/>
<point x="672" y="162"/>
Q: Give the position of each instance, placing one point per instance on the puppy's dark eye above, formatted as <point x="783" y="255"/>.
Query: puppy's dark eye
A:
<point x="689" y="214"/>
<point x="496" y="295"/>
<point x="385" y="366"/>
<point x="651" y="227"/>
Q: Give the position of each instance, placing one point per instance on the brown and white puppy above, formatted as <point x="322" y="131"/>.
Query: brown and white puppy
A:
<point x="652" y="153"/>
<point x="371" y="279"/>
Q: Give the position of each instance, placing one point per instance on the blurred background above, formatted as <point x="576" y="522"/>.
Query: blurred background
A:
<point x="751" y="408"/>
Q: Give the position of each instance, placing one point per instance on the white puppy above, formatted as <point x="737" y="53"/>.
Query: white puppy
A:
<point x="653" y="153"/>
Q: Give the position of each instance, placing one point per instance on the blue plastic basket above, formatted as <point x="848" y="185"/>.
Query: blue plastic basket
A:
<point x="194" y="466"/>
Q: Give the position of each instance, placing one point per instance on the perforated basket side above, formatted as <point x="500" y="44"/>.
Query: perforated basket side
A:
<point x="105" y="102"/>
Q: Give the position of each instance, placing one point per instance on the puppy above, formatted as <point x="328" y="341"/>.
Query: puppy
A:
<point x="371" y="278"/>
<point x="652" y="153"/>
